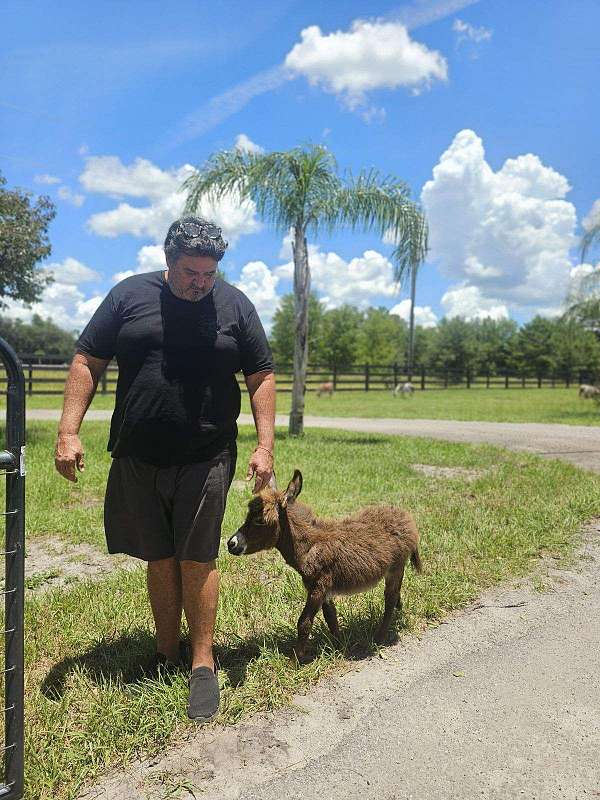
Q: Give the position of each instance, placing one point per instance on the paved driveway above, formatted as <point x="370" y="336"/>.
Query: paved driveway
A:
<point x="575" y="443"/>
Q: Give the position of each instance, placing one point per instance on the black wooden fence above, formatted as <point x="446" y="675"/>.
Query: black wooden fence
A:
<point x="49" y="379"/>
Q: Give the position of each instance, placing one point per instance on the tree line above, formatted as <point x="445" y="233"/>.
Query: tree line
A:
<point x="347" y="336"/>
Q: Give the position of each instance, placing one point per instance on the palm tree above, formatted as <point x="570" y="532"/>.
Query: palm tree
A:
<point x="583" y="304"/>
<point x="300" y="190"/>
<point x="590" y="237"/>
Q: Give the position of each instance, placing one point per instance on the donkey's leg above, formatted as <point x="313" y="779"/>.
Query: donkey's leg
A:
<point x="314" y="601"/>
<point x="331" y="619"/>
<point x="393" y="581"/>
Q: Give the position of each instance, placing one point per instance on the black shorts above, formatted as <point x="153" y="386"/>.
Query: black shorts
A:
<point x="159" y="512"/>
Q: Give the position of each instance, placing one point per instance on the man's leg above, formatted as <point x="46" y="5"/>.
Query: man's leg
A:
<point x="200" y="590"/>
<point x="164" y="590"/>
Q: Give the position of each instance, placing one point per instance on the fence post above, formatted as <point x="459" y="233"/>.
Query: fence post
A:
<point x="568" y="379"/>
<point x="334" y="377"/>
<point x="446" y="376"/>
<point x="539" y="377"/>
<point x="103" y="382"/>
<point x="468" y="377"/>
<point x="487" y="379"/>
<point x="395" y="375"/>
<point x="30" y="379"/>
<point x="423" y="378"/>
<point x="553" y="379"/>
<point x="522" y="380"/>
<point x="506" y="381"/>
<point x="366" y="377"/>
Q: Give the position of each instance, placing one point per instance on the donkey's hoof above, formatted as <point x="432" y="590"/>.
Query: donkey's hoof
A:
<point x="386" y="637"/>
<point x="302" y="655"/>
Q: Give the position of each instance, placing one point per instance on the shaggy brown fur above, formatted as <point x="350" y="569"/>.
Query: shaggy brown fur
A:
<point x="333" y="556"/>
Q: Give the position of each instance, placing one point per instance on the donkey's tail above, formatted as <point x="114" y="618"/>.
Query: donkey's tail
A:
<point x="415" y="560"/>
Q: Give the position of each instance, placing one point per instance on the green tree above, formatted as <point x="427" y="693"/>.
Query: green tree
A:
<point x="453" y="348"/>
<point x="535" y="347"/>
<point x="283" y="334"/>
<point x="338" y="341"/>
<point x="576" y="349"/>
<point x="23" y="243"/>
<point x="39" y="337"/>
<point x="381" y="337"/>
<point x="300" y="190"/>
<point x="495" y="341"/>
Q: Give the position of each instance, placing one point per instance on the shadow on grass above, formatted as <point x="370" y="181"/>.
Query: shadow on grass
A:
<point x="129" y="659"/>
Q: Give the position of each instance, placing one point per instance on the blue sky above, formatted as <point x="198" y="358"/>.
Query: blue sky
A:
<point x="486" y="109"/>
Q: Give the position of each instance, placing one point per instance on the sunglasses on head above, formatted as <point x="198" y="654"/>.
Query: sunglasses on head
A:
<point x="195" y="231"/>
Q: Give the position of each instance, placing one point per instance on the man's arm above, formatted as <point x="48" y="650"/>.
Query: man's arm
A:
<point x="80" y="387"/>
<point x="261" y="388"/>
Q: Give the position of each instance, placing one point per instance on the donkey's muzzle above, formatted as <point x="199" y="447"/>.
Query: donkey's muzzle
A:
<point x="237" y="544"/>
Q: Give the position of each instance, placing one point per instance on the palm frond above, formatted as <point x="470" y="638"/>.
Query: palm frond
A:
<point x="591" y="237"/>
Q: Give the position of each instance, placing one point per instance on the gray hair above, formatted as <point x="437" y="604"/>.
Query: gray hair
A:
<point x="194" y="236"/>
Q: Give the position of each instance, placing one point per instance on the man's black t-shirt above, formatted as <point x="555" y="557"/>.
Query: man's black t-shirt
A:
<point x="177" y="396"/>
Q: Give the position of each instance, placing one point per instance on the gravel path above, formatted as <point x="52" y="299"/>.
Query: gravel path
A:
<point x="501" y="701"/>
<point x="575" y="443"/>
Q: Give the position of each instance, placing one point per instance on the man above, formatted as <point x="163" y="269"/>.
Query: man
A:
<point x="179" y="336"/>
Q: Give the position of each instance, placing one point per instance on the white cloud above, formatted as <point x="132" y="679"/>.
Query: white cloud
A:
<point x="468" y="302"/>
<point x="466" y="32"/>
<point x="246" y="145"/>
<point x="504" y="234"/>
<point x="47" y="179"/>
<point x="260" y="284"/>
<point x="372" y="55"/>
<point x="150" y="258"/>
<point x="359" y="282"/>
<point x="65" y="304"/>
<point x="71" y="272"/>
<point x="70" y="196"/>
<point x="424" y="315"/>
<point x="108" y="175"/>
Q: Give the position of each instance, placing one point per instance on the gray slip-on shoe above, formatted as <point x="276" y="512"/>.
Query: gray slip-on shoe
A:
<point x="203" y="704"/>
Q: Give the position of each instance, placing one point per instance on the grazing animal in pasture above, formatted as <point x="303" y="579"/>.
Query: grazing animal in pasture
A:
<point x="404" y="389"/>
<point x="587" y="391"/>
<point x="333" y="556"/>
<point x="325" y="388"/>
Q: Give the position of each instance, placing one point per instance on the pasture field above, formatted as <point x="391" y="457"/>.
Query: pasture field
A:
<point x="492" y="405"/>
<point x="91" y="706"/>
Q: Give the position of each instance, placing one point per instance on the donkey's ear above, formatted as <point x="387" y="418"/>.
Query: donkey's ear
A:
<point x="294" y="488"/>
<point x="272" y="482"/>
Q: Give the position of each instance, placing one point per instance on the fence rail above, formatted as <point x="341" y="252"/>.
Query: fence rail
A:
<point x="49" y="379"/>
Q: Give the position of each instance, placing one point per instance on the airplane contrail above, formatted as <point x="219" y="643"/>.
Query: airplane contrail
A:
<point x="219" y="108"/>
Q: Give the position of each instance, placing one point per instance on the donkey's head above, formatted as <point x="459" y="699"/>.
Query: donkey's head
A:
<point x="262" y="526"/>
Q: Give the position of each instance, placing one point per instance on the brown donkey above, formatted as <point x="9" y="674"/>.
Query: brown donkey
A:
<point x="333" y="556"/>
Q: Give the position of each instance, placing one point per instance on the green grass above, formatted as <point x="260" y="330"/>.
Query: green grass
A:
<point x="494" y="405"/>
<point x="89" y="706"/>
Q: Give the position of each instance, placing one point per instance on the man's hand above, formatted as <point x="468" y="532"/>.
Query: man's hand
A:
<point x="260" y="467"/>
<point x="68" y="456"/>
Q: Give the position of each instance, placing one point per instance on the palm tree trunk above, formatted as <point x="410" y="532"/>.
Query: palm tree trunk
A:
<point x="411" y="325"/>
<point x="301" y="295"/>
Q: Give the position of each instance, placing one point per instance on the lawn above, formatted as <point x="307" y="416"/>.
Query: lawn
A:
<point x="494" y="405"/>
<point x="89" y="704"/>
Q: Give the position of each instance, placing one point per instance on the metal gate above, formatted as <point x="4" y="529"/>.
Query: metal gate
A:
<point x="12" y="462"/>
